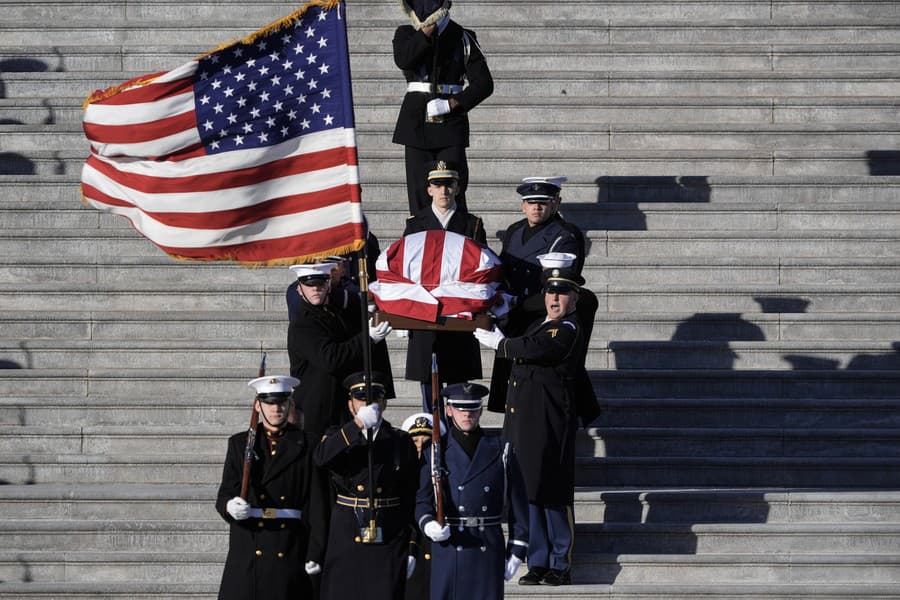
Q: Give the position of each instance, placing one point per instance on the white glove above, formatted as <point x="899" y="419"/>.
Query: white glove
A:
<point x="491" y="338"/>
<point x="410" y="566"/>
<point x="437" y="533"/>
<point x="312" y="568"/>
<point x="238" y="508"/>
<point x="380" y="332"/>
<point x="401" y="333"/>
<point x="512" y="565"/>
<point x="369" y="415"/>
<point x="437" y="107"/>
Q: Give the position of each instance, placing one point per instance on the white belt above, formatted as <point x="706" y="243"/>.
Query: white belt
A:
<point x="275" y="513"/>
<point x="424" y="86"/>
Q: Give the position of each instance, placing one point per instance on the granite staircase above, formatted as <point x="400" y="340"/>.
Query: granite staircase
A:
<point x="733" y="164"/>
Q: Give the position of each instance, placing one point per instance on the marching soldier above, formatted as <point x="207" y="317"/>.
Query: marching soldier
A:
<point x="278" y="532"/>
<point x="458" y="356"/>
<point x="367" y="555"/>
<point x="545" y="396"/>
<point x="325" y="346"/>
<point x="482" y="477"/>
<point x="437" y="57"/>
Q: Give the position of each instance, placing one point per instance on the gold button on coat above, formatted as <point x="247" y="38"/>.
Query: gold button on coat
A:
<point x="259" y="552"/>
<point x="360" y="488"/>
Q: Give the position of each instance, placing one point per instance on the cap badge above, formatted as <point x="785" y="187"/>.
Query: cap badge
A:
<point x="555" y="272"/>
<point x="441" y="166"/>
<point x="273" y="380"/>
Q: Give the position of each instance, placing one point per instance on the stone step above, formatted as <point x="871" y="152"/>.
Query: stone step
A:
<point x="838" y="110"/>
<point x="593" y="504"/>
<point x="792" y="413"/>
<point x="613" y="298"/>
<point x="682" y="352"/>
<point x="493" y="29"/>
<point x="570" y="137"/>
<point x="105" y="535"/>
<point x="600" y="55"/>
<point x="844" y="473"/>
<point x="726" y="591"/>
<point x="855" y="473"/>
<point x="793" y="568"/>
<point x="109" y="270"/>
<point x="738" y="442"/>
<point x="387" y="221"/>
<point x="618" y="442"/>
<point x="585" y="191"/>
<point x="381" y="170"/>
<point x="271" y="325"/>
<point x="795" y="11"/>
<point x="468" y="13"/>
<point x="521" y="83"/>
<point x="681" y="244"/>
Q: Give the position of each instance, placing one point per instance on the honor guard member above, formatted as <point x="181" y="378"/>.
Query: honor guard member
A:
<point x="437" y="57"/>
<point x="325" y="346"/>
<point x="458" y="355"/>
<point x="470" y="558"/>
<point x="544" y="397"/>
<point x="367" y="555"/>
<point x="277" y="534"/>
<point x="418" y="583"/>
<point x="542" y="230"/>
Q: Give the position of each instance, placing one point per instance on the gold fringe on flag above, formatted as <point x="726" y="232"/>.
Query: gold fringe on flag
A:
<point x="286" y="261"/>
<point x="278" y="25"/>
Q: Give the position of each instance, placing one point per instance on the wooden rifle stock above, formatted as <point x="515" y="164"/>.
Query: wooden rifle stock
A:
<point x="251" y="437"/>
<point x="436" y="462"/>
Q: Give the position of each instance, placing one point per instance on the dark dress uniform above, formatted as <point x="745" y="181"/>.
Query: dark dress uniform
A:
<point x="522" y="245"/>
<point x="266" y="555"/>
<point x="325" y="345"/>
<point x="450" y="58"/>
<point x="354" y="569"/>
<point x="458" y="354"/>
<point x="470" y="565"/>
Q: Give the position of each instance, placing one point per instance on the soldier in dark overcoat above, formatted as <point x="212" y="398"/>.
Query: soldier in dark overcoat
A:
<point x="277" y="534"/>
<point x="542" y="230"/>
<point x="361" y="561"/>
<point x="325" y="346"/>
<point x="470" y="558"/>
<point x="437" y="55"/>
<point x="458" y="355"/>
<point x="541" y="420"/>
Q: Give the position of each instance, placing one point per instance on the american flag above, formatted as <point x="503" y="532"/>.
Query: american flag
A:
<point x="436" y="273"/>
<point x="247" y="153"/>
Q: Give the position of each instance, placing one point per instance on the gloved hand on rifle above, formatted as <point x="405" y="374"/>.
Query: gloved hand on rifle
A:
<point x="238" y="508"/>
<point x="436" y="532"/>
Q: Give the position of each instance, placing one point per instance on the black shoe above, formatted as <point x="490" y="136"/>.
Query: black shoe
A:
<point x="557" y="577"/>
<point x="534" y="576"/>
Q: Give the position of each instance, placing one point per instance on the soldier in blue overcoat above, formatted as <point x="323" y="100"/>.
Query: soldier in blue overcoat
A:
<point x="470" y="558"/>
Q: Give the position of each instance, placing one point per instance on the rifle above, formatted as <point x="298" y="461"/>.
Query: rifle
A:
<point x="436" y="474"/>
<point x="251" y="436"/>
<point x="370" y="534"/>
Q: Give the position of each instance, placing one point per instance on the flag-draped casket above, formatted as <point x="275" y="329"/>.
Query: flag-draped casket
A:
<point x="434" y="274"/>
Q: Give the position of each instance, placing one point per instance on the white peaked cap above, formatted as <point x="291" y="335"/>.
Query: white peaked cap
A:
<point x="312" y="269"/>
<point x="274" y="384"/>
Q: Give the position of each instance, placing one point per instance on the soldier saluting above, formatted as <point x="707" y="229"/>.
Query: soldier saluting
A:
<point x="470" y="558"/>
<point x="367" y="554"/>
<point x="278" y="531"/>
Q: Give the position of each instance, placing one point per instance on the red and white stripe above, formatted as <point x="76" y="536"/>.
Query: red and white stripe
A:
<point x="436" y="273"/>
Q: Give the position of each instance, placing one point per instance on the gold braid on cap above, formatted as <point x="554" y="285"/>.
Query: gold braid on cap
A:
<point x="432" y="18"/>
